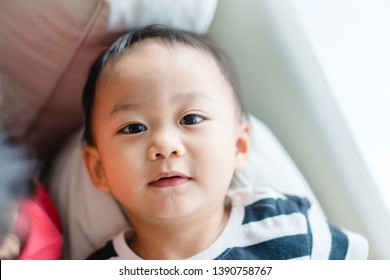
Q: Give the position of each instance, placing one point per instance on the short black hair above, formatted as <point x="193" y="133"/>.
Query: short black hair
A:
<point x="166" y="35"/>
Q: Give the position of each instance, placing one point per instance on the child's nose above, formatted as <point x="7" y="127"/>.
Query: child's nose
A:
<point x="165" y="145"/>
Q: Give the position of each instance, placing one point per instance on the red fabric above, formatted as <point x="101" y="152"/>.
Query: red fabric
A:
<point x="44" y="239"/>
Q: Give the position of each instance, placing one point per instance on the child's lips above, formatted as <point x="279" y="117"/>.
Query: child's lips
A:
<point x="171" y="179"/>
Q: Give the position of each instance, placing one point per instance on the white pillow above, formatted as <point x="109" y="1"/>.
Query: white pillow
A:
<point x="91" y="217"/>
<point x="48" y="46"/>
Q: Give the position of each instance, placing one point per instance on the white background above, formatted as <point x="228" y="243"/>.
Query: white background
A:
<point x="351" y="42"/>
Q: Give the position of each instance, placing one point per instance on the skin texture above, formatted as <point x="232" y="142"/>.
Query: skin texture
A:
<point x="168" y="139"/>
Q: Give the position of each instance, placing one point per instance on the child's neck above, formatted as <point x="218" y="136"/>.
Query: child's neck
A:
<point x="178" y="240"/>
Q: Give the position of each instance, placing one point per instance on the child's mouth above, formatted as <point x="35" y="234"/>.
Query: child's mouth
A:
<point x="169" y="180"/>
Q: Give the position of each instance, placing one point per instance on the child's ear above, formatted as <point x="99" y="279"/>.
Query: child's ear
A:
<point x="95" y="168"/>
<point x="242" y="145"/>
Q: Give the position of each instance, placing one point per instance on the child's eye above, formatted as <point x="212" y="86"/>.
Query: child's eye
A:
<point x="191" y="119"/>
<point x="133" y="128"/>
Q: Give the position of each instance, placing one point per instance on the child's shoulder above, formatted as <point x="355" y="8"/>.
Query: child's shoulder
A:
<point x="273" y="226"/>
<point x="289" y="218"/>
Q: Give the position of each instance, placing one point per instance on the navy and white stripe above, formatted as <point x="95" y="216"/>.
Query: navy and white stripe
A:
<point x="274" y="229"/>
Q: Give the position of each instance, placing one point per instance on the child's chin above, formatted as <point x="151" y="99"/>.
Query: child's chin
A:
<point x="176" y="202"/>
<point x="175" y="212"/>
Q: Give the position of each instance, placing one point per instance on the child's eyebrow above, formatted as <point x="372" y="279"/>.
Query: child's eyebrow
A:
<point x="124" y="105"/>
<point x="190" y="96"/>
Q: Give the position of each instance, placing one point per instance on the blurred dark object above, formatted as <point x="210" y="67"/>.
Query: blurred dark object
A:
<point x="30" y="226"/>
<point x="15" y="186"/>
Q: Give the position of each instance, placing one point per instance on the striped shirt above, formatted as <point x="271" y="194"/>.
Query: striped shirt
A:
<point x="265" y="224"/>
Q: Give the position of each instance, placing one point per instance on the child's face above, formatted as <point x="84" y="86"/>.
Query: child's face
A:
<point x="167" y="132"/>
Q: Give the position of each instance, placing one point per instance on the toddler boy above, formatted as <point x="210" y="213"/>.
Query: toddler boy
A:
<point x="165" y="133"/>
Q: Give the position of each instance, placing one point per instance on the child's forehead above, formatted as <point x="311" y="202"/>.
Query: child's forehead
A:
<point x="151" y="56"/>
<point x="154" y="46"/>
